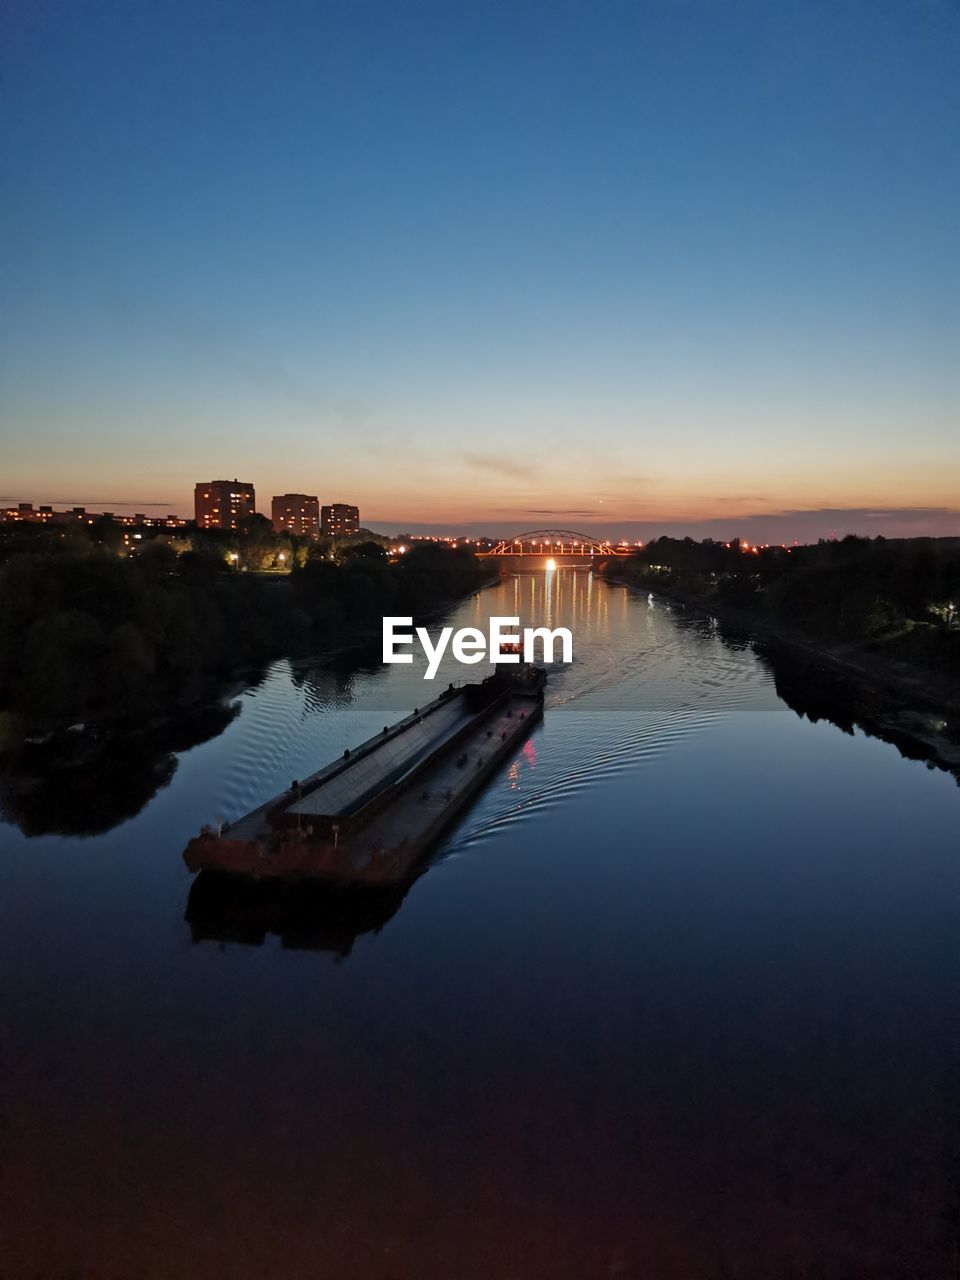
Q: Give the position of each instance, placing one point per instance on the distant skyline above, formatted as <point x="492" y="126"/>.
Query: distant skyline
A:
<point x="679" y="265"/>
<point x="779" y="526"/>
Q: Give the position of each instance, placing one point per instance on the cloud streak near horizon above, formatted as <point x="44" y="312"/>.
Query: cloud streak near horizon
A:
<point x="783" y="526"/>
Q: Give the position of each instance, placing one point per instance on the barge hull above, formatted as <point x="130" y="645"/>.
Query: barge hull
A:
<point x="386" y="837"/>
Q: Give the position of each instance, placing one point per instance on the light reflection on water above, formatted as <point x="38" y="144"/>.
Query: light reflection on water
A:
<point x="675" y="1001"/>
<point x="637" y="671"/>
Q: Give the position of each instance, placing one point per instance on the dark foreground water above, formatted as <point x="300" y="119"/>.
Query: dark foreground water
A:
<point x="679" y="1000"/>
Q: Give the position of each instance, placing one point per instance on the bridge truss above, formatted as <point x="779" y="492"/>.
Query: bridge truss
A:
<point x="556" y="542"/>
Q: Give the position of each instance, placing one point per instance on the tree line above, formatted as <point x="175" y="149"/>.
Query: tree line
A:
<point x="901" y="596"/>
<point x="91" y="636"/>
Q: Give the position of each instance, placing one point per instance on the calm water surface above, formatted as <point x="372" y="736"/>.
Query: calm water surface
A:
<point x="679" y="999"/>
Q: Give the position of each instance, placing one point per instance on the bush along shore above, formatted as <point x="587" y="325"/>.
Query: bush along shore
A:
<point x="91" y="638"/>
<point x="884" y="612"/>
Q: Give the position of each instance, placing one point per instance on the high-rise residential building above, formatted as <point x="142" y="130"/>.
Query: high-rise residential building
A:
<point x="297" y="513"/>
<point x="222" y="504"/>
<point x="339" y="520"/>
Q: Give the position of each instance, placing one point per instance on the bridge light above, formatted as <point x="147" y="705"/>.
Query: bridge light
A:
<point x="551" y="564"/>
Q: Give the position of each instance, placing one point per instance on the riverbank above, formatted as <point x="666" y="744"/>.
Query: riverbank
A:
<point x="78" y="740"/>
<point x="916" y="709"/>
<point x="93" y="645"/>
<point x="85" y="778"/>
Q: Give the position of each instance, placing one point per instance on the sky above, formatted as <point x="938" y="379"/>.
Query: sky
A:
<point x="675" y="265"/>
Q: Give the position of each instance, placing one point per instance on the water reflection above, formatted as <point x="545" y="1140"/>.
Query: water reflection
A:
<point x="818" y="692"/>
<point x="89" y="786"/>
<point x="676" y="1000"/>
<point x="622" y="650"/>
<point x="304" y="916"/>
<point x="646" y="716"/>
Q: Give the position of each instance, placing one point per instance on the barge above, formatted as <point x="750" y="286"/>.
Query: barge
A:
<point x="370" y="818"/>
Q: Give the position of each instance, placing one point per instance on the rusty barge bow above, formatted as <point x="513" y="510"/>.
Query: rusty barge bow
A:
<point x="371" y="817"/>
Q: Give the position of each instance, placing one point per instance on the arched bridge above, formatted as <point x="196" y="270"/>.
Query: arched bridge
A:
<point x="565" y="547"/>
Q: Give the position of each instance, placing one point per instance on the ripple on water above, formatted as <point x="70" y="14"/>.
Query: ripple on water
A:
<point x="641" y="689"/>
<point x="643" y="682"/>
<point x="599" y="752"/>
<point x="273" y="733"/>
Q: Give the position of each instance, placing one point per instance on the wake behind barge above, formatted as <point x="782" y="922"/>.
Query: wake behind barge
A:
<point x="371" y="817"/>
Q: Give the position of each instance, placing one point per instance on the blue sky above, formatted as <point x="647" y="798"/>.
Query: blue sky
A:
<point x="466" y="263"/>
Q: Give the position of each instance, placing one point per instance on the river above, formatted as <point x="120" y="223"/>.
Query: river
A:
<point x="678" y="997"/>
